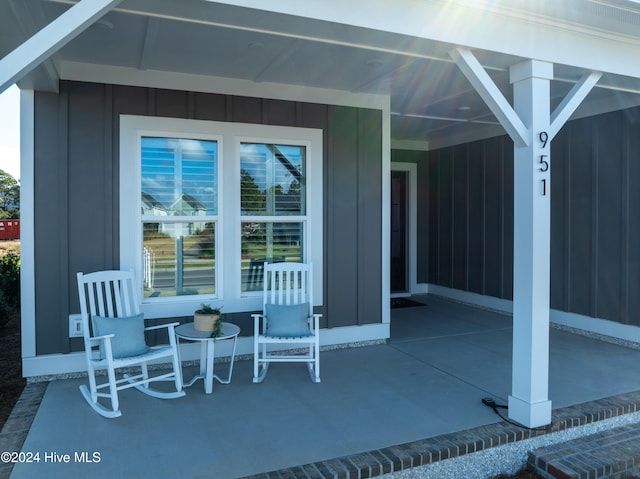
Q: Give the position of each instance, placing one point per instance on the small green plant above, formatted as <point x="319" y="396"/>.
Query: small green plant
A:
<point x="217" y="327"/>
<point x="207" y="309"/>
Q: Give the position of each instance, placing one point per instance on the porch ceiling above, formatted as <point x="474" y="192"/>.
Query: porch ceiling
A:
<point x="431" y="100"/>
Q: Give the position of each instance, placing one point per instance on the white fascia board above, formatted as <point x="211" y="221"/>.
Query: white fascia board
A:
<point x="55" y="364"/>
<point x="50" y="39"/>
<point x="228" y="86"/>
<point x="476" y="25"/>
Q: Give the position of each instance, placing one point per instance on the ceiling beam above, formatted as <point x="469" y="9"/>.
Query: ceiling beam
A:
<point x="571" y="102"/>
<point x="278" y="61"/>
<point x="579" y="33"/>
<point x="30" y="18"/>
<point x="491" y="95"/>
<point x="50" y="39"/>
<point x="150" y="38"/>
<point x="175" y="12"/>
<point x="444" y="118"/>
<point x="170" y="10"/>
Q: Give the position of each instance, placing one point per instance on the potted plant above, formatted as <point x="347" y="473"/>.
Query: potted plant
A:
<point x="207" y="319"/>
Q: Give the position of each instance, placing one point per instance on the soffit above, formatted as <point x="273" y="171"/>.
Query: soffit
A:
<point x="430" y="98"/>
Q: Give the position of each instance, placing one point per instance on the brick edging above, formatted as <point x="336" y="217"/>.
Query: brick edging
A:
<point x="377" y="462"/>
<point x="15" y="429"/>
<point x="427" y="451"/>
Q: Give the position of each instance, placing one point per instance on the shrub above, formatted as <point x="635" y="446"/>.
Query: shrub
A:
<point x="6" y="311"/>
<point x="10" y="278"/>
<point x="9" y="285"/>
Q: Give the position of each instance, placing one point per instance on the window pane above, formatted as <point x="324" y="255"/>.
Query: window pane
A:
<point x="272" y="179"/>
<point x="179" y="259"/>
<point x="179" y="177"/>
<point x="270" y="242"/>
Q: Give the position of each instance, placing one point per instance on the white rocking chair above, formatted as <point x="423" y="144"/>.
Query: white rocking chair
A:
<point x="111" y="320"/>
<point x="287" y="320"/>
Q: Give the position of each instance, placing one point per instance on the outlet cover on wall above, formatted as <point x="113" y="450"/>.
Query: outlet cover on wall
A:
<point x="75" y="326"/>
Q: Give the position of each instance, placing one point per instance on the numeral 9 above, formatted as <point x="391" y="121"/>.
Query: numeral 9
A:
<point x="544" y="137"/>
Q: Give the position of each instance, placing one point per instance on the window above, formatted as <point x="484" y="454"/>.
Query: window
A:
<point x="273" y="207"/>
<point x="203" y="205"/>
<point x="178" y="183"/>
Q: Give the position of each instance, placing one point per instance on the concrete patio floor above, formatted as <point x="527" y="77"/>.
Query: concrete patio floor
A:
<point x="428" y="380"/>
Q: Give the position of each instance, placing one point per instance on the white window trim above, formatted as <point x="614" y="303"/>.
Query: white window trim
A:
<point x="228" y="231"/>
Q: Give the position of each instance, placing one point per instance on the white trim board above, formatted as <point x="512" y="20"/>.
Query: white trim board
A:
<point x="54" y="364"/>
<point x="228" y="136"/>
<point x="27" y="224"/>
<point x="596" y="325"/>
<point x="412" y="223"/>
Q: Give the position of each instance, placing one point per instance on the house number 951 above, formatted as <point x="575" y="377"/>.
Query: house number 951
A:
<point x="544" y="164"/>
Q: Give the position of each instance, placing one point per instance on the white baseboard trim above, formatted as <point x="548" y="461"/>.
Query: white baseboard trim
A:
<point x="604" y="327"/>
<point x="600" y="326"/>
<point x="475" y="299"/>
<point x="61" y="364"/>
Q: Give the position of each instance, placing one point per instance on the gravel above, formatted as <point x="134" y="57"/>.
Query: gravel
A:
<point x="507" y="459"/>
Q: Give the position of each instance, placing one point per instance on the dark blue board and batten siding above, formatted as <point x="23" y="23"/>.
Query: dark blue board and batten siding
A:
<point x="76" y="193"/>
<point x="595" y="217"/>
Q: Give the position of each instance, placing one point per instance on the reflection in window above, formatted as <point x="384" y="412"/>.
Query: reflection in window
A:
<point x="271" y="243"/>
<point x="272" y="180"/>
<point x="272" y="188"/>
<point x="179" y="181"/>
<point x="179" y="259"/>
<point x="179" y="177"/>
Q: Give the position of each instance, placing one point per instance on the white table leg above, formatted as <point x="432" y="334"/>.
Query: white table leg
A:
<point x="203" y="358"/>
<point x="233" y="355"/>
<point x="207" y="355"/>
<point x="203" y="367"/>
<point x="208" y="382"/>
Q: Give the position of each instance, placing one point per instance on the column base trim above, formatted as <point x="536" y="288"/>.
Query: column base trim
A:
<point x="528" y="414"/>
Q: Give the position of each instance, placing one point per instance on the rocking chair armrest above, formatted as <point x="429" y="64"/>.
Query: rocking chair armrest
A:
<point x="160" y="326"/>
<point x="314" y="322"/>
<point x="101" y="338"/>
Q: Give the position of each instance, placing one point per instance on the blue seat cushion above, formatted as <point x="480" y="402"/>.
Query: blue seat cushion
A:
<point x="128" y="331"/>
<point x="287" y="320"/>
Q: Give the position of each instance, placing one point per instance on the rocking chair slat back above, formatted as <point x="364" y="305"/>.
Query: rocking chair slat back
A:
<point x="112" y="294"/>
<point x="287" y="284"/>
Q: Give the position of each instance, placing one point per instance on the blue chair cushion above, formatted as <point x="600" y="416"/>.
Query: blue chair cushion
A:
<point x="128" y="331"/>
<point x="287" y="320"/>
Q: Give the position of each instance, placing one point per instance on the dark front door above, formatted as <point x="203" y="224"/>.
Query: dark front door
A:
<point x="399" y="190"/>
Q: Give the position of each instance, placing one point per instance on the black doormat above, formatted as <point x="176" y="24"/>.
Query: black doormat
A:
<point x="404" y="303"/>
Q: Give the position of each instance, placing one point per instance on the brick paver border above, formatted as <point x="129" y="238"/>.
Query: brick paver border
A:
<point x="17" y="426"/>
<point x="377" y="462"/>
<point x="434" y="449"/>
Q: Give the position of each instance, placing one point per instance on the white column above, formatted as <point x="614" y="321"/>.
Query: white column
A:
<point x="529" y="403"/>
